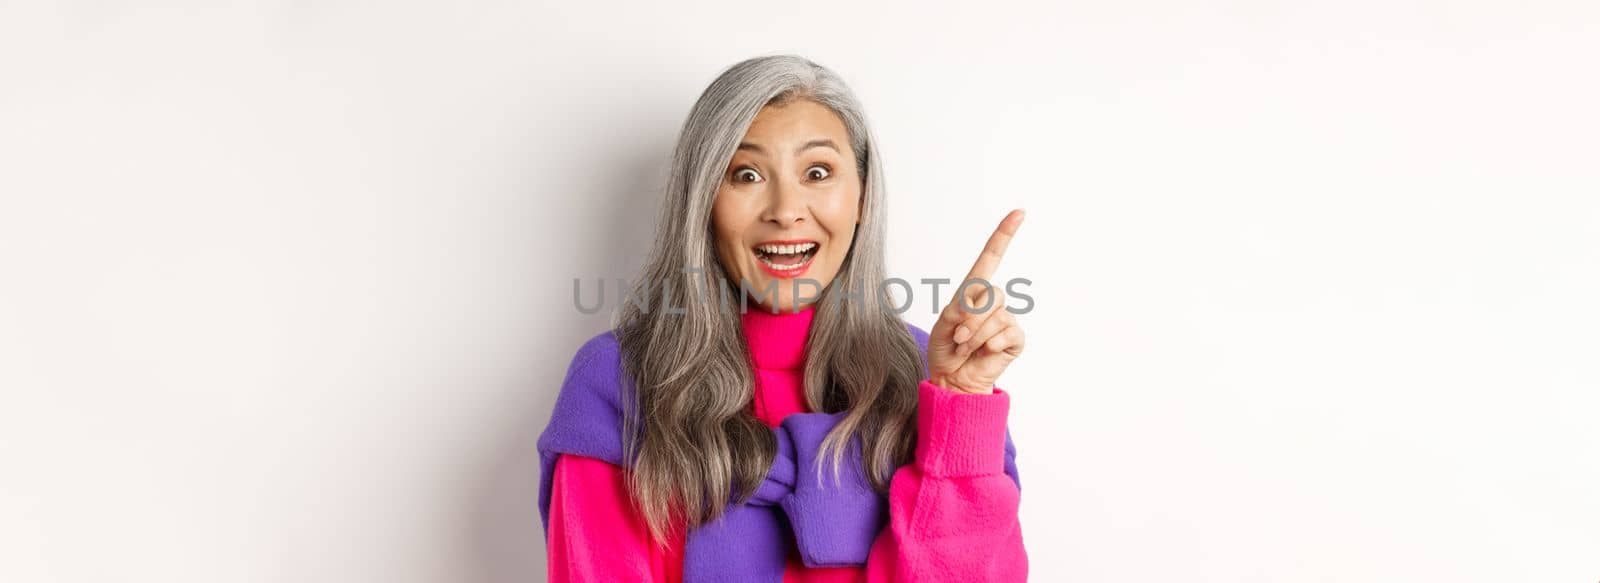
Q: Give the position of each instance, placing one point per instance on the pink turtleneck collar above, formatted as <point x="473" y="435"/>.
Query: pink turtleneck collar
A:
<point x="777" y="341"/>
<point x="777" y="345"/>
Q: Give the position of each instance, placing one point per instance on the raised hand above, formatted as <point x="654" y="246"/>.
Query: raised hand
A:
<point x="969" y="348"/>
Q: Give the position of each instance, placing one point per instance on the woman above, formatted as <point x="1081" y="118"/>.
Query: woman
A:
<point x="734" y="427"/>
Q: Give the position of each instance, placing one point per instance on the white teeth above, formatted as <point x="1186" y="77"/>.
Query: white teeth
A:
<point x="786" y="249"/>
<point x="789" y="267"/>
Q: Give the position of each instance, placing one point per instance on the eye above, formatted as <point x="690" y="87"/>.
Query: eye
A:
<point x="746" y="174"/>
<point x="819" y="172"/>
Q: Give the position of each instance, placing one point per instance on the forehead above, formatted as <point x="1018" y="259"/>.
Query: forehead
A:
<point x="796" y="121"/>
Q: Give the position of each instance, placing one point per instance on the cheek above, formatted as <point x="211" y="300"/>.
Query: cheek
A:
<point x="728" y="221"/>
<point x="839" y="211"/>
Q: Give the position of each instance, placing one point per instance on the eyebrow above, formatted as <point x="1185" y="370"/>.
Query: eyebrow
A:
<point x="816" y="143"/>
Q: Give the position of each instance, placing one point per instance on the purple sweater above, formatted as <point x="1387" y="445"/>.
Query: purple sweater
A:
<point x="833" y="524"/>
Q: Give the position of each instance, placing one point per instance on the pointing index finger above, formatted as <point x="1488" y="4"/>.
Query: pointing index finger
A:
<point x="995" y="248"/>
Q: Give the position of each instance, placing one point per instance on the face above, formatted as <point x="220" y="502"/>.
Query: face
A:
<point x="788" y="204"/>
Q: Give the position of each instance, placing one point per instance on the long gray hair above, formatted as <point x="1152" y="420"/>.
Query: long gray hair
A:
<point x="693" y="444"/>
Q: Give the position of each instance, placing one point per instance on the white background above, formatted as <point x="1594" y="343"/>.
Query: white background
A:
<point x="285" y="287"/>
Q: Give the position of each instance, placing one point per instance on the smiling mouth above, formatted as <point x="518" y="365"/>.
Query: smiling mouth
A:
<point x="785" y="257"/>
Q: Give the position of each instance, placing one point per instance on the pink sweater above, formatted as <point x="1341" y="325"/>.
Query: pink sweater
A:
<point x="952" y="511"/>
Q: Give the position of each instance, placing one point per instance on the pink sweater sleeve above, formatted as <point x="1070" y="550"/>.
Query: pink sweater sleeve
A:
<point x="595" y="535"/>
<point x="953" y="511"/>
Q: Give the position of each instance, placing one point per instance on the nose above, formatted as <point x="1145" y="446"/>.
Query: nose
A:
<point x="786" y="205"/>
